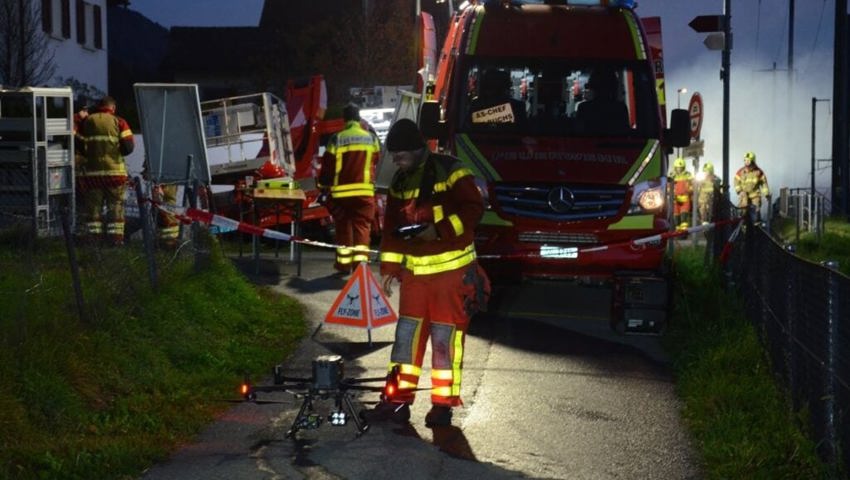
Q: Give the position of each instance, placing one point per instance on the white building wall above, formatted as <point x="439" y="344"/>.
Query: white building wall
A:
<point x="83" y="62"/>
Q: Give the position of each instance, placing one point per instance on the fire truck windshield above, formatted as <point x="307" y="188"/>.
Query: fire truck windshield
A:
<point x="560" y="99"/>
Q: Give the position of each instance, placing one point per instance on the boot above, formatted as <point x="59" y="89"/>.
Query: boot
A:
<point x="439" y="416"/>
<point x="387" y="411"/>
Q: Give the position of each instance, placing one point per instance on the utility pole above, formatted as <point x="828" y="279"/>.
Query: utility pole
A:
<point x="724" y="75"/>
<point x="814" y="161"/>
<point x="839" y="109"/>
<point x="790" y="44"/>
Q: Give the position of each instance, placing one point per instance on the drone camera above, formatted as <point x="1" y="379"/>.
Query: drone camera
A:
<point x="327" y="372"/>
<point x="338" y="419"/>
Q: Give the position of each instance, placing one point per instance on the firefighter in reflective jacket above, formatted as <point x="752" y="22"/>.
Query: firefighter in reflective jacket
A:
<point x="102" y="178"/>
<point x="709" y="188"/>
<point x="442" y="285"/>
<point x="347" y="175"/>
<point x="751" y="184"/>
<point x="682" y="191"/>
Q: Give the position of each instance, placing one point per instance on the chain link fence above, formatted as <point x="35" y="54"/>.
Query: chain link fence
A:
<point x="89" y="272"/>
<point x="802" y="312"/>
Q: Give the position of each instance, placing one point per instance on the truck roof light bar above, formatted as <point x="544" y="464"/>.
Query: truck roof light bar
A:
<point x="589" y="3"/>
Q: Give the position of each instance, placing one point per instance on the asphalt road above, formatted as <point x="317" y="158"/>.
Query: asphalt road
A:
<point x="541" y="400"/>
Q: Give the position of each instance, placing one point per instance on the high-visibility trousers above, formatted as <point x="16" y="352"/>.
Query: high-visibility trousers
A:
<point x="97" y="192"/>
<point x="168" y="227"/>
<point x="352" y="221"/>
<point x="681" y="204"/>
<point x="706" y="209"/>
<point x="436" y="306"/>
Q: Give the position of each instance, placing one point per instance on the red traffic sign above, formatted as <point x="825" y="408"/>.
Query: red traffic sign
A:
<point x="695" y="113"/>
<point x="708" y="23"/>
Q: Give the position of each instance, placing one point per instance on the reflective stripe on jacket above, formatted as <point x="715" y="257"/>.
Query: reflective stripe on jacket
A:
<point x="752" y="181"/>
<point x="348" y="164"/>
<point x="454" y="206"/>
<point x="107" y="139"/>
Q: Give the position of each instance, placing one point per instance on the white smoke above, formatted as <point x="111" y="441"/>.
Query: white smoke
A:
<point x="766" y="116"/>
<point x="769" y="114"/>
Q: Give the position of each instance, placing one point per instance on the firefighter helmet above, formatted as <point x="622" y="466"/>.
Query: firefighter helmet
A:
<point x="708" y="167"/>
<point x="679" y="163"/>
<point x="749" y="158"/>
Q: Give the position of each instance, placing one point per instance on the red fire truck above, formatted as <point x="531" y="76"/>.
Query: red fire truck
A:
<point x="558" y="109"/>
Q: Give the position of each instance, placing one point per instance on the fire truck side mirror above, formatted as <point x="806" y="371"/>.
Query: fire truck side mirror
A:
<point x="429" y="121"/>
<point x="678" y="135"/>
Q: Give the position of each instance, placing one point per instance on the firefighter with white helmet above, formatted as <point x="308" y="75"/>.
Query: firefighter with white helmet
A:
<point x="751" y="185"/>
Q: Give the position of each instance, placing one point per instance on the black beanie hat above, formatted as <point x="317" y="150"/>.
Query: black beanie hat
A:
<point x="404" y="135"/>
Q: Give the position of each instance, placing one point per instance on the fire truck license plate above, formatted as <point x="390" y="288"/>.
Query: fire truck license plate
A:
<point x="548" y="251"/>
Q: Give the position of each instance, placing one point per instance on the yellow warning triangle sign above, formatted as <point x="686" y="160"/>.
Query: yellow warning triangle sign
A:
<point x="361" y="303"/>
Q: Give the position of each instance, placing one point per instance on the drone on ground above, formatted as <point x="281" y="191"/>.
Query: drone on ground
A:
<point x="327" y="382"/>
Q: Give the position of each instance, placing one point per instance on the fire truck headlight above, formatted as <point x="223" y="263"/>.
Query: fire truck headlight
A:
<point x="651" y="200"/>
<point x="648" y="197"/>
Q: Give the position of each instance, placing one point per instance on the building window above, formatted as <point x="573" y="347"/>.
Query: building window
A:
<point x="89" y="25"/>
<point x="66" y="18"/>
<point x="56" y="17"/>
<point x="98" y="27"/>
<point x="81" y="22"/>
<point x="47" y="15"/>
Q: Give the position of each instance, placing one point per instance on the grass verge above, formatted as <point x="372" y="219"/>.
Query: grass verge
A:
<point x="834" y="244"/>
<point x="735" y="411"/>
<point x="108" y="397"/>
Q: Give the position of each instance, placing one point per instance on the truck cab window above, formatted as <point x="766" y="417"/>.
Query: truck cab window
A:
<point x="558" y="99"/>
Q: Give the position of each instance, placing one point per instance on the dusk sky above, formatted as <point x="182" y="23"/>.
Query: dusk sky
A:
<point x="762" y="99"/>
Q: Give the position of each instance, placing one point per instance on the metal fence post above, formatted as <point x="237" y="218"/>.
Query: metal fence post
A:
<point x="791" y="325"/>
<point x="72" y="259"/>
<point x="147" y="231"/>
<point x="831" y="359"/>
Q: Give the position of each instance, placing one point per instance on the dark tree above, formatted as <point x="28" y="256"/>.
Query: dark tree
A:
<point x="26" y="58"/>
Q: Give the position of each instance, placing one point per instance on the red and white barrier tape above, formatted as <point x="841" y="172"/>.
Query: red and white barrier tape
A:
<point x="225" y="224"/>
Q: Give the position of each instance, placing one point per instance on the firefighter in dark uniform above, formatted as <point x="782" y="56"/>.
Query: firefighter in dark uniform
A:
<point x="442" y="285"/>
<point x="102" y="177"/>
<point x="348" y="176"/>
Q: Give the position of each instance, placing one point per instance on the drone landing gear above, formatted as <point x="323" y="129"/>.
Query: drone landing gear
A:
<point x="343" y="412"/>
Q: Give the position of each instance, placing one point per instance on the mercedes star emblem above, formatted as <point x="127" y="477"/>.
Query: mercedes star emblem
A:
<point x="561" y="199"/>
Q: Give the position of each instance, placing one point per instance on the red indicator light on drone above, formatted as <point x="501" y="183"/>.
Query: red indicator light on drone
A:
<point x="391" y="387"/>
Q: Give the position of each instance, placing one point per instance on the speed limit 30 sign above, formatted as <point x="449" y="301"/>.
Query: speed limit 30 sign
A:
<point x="695" y="112"/>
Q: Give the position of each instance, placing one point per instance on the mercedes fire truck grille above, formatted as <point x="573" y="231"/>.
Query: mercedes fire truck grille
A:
<point x="560" y="203"/>
<point x="558" y="238"/>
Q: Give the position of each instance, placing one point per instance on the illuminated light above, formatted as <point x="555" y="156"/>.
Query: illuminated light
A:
<point x="390" y="390"/>
<point x="651" y="199"/>
<point x="700" y="176"/>
<point x="244" y="389"/>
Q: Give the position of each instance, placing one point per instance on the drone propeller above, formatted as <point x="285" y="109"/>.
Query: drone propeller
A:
<point x="258" y="402"/>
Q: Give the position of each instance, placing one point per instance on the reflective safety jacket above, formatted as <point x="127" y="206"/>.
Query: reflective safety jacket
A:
<point x="752" y="181"/>
<point x="682" y="186"/>
<point x="707" y="188"/>
<point x="107" y="138"/>
<point x="440" y="191"/>
<point x="348" y="164"/>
